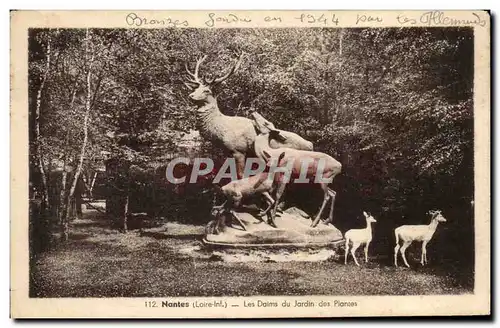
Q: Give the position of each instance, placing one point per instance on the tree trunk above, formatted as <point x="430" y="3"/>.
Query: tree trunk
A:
<point x="63" y="197"/>
<point x="38" y="146"/>
<point x="327" y="100"/>
<point x="64" y="179"/>
<point x="125" y="214"/>
<point x="92" y="185"/>
<point x="338" y="104"/>
<point x="341" y="39"/>
<point x="85" y="139"/>
<point x="78" y="200"/>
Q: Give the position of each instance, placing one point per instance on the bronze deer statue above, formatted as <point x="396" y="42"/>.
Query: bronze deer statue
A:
<point x="235" y="134"/>
<point x="295" y="159"/>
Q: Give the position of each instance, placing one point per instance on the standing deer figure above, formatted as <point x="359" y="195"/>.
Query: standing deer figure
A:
<point x="411" y="233"/>
<point x="296" y="157"/>
<point x="359" y="237"/>
<point x="236" y="135"/>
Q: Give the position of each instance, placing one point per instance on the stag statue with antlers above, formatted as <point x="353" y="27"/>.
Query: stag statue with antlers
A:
<point x="235" y="134"/>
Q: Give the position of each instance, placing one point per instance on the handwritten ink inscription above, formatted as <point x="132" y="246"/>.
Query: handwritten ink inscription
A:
<point x="402" y="19"/>
<point x="214" y="19"/>
<point x="133" y="19"/>
<point x="430" y="18"/>
<point x="321" y="19"/>
<point x="368" y="19"/>
<point x="272" y="19"/>
<point x="439" y="18"/>
<point x="433" y="18"/>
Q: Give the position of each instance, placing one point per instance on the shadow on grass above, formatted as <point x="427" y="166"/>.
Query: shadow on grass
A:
<point x="78" y="236"/>
<point x="102" y="223"/>
<point x="162" y="235"/>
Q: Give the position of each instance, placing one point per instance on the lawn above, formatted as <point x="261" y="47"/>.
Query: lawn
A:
<point x="170" y="260"/>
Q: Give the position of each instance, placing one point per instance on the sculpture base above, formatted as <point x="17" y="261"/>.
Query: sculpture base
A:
<point x="293" y="229"/>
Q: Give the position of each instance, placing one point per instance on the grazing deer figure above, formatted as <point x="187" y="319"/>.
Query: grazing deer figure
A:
<point x="234" y="134"/>
<point x="236" y="191"/>
<point x="411" y="233"/>
<point x="295" y="157"/>
<point x="359" y="237"/>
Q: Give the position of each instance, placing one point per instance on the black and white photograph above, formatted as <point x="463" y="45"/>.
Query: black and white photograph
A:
<point x="168" y="161"/>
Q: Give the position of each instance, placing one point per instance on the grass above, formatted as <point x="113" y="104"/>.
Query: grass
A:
<point x="170" y="261"/>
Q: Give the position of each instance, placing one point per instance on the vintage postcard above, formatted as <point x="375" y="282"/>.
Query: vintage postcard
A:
<point x="250" y="164"/>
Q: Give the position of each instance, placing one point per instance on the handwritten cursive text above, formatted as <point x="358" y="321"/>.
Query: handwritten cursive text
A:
<point x="213" y="19"/>
<point x="368" y="19"/>
<point x="322" y="19"/>
<point x="133" y="19"/>
<point x="431" y="18"/>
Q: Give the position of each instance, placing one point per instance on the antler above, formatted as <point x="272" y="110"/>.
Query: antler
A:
<point x="231" y="71"/>
<point x="195" y="78"/>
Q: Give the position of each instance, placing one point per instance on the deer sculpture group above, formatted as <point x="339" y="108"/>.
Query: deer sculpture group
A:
<point x="237" y="136"/>
<point x="241" y="137"/>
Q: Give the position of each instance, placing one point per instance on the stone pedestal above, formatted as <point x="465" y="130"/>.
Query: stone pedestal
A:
<point x="293" y="229"/>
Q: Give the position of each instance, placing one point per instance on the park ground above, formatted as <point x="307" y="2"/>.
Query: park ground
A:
<point x="170" y="261"/>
